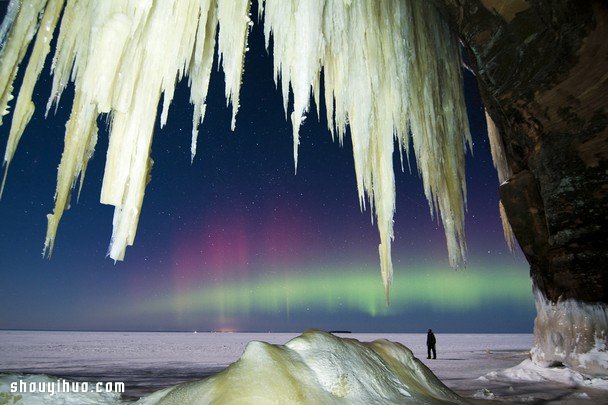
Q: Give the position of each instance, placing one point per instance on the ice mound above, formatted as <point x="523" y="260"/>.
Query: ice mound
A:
<point x="317" y="368"/>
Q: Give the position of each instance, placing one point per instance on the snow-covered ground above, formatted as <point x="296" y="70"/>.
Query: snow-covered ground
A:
<point x="149" y="361"/>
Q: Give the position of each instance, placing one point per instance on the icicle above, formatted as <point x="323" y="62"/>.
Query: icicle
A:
<point x="506" y="227"/>
<point x="72" y="46"/>
<point x="24" y="108"/>
<point x="499" y="159"/>
<point x="298" y="51"/>
<point x="234" y="24"/>
<point x="80" y="140"/>
<point x="200" y="69"/>
<point x="128" y="160"/>
<point x="21" y="33"/>
<point x="9" y="18"/>
<point x="439" y="118"/>
<point x="380" y="85"/>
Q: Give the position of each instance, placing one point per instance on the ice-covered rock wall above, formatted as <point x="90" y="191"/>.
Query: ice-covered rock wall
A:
<point x="317" y="368"/>
<point x="542" y="73"/>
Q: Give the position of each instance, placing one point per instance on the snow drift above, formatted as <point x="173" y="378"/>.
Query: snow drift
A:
<point x="317" y="368"/>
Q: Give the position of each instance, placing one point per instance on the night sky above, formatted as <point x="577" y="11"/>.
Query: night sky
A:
<point x="236" y="241"/>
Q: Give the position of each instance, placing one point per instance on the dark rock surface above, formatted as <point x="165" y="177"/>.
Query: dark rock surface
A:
<point x="542" y="70"/>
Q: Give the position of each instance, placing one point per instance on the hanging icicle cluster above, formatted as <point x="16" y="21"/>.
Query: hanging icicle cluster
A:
<point x="122" y="56"/>
<point x="390" y="69"/>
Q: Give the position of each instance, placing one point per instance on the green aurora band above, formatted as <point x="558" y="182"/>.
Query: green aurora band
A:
<point x="350" y="289"/>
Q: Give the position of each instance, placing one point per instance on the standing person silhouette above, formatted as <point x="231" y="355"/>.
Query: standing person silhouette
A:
<point x="430" y="344"/>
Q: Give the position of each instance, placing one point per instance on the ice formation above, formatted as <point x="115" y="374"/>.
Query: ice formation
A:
<point x="317" y="368"/>
<point x="24" y="107"/>
<point x="499" y="159"/>
<point x="389" y="69"/>
<point x="529" y="371"/>
<point x="11" y="13"/>
<point x="572" y="333"/>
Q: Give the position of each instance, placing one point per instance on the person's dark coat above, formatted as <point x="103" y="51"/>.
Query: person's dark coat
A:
<point x="430" y="339"/>
<point x="430" y="345"/>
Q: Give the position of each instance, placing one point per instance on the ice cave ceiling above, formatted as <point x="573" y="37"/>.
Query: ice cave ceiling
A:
<point x="391" y="71"/>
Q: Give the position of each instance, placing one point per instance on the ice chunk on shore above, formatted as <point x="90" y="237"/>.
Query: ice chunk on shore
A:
<point x="532" y="372"/>
<point x="317" y="367"/>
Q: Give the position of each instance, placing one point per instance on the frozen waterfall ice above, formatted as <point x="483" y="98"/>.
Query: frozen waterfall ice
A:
<point x="390" y="69"/>
<point x="572" y="333"/>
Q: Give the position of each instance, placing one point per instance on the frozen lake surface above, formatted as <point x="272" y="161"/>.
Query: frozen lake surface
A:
<point x="148" y="361"/>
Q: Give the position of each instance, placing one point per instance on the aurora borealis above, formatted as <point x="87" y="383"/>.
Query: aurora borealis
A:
<point x="347" y="289"/>
<point x="236" y="241"/>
